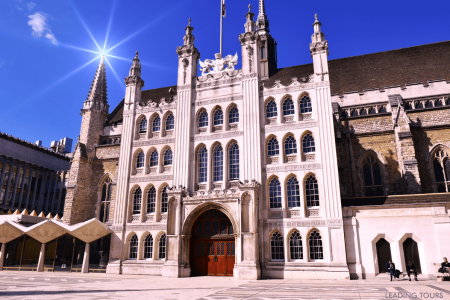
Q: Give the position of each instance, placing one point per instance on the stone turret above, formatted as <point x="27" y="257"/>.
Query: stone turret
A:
<point x="268" y="45"/>
<point x="319" y="53"/>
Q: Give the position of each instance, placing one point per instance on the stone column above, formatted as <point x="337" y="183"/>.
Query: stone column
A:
<point x="16" y="181"/>
<point x="35" y="190"/>
<point x="11" y="169"/>
<point x="42" y="191"/>
<point x="358" y="265"/>
<point x="24" y="176"/>
<point x="85" y="267"/>
<point x="63" y="178"/>
<point x="49" y="191"/>
<point x="2" y="255"/>
<point x="40" y="266"/>
<point x="58" y="173"/>
<point x="4" y="162"/>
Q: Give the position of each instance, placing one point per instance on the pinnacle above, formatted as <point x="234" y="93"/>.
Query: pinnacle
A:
<point x="97" y="91"/>
<point x="262" y="8"/>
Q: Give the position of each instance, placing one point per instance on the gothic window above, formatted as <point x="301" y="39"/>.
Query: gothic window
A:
<point x="164" y="200"/>
<point x="202" y="158"/>
<point x="137" y="201"/>
<point x="162" y="246"/>
<point x="293" y="192"/>
<point x="288" y="107"/>
<point x="143" y="126"/>
<point x="441" y="167"/>
<point x="372" y="111"/>
<point x="363" y="112"/>
<point x="382" y="109"/>
<point x="170" y="122"/>
<point x="305" y="105"/>
<point x="372" y="176"/>
<point x="148" y="246"/>
<point x="233" y="116"/>
<point x="105" y="200"/>
<point x="311" y="191"/>
<point x="133" y="247"/>
<point x="355" y="113"/>
<point x="308" y="144"/>
<point x="233" y="156"/>
<point x="218" y="164"/>
<point x="154" y="158"/>
<point x="295" y="245"/>
<point x="315" y="246"/>
<point x="271" y="109"/>
<point x="263" y="52"/>
<point x="290" y="145"/>
<point x="274" y="193"/>
<point x="156" y="124"/>
<point x="428" y="104"/>
<point x="151" y="200"/>
<point x="203" y="119"/>
<point x="276" y="246"/>
<point x="168" y="157"/>
<point x="273" y="147"/>
<point x="218" y="117"/>
<point x="140" y="160"/>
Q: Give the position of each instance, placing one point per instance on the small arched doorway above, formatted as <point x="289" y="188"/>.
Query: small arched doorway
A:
<point x="411" y="252"/>
<point x="212" y="245"/>
<point x="383" y="254"/>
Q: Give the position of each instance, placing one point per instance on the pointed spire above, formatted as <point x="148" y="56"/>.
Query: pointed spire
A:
<point x="250" y="24"/>
<point x="97" y="93"/>
<point x="189" y="37"/>
<point x="135" y="69"/>
<point x="262" y="22"/>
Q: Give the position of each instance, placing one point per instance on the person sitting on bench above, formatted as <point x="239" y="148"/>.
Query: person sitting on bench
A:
<point x="390" y="267"/>
<point x="445" y="266"/>
<point x="410" y="268"/>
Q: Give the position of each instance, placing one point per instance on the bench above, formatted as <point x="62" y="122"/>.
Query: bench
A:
<point x="439" y="276"/>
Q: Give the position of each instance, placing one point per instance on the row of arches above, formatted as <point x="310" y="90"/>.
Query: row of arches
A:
<point x="150" y="200"/>
<point x="147" y="247"/>
<point x="295" y="246"/>
<point x="153" y="160"/>
<point x="293" y="192"/>
<point x="288" y="106"/>
<point x="289" y="147"/>
<point x="216" y="119"/>
<point x="153" y="126"/>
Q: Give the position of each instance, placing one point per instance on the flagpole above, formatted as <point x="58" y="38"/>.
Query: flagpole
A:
<point x="221" y="24"/>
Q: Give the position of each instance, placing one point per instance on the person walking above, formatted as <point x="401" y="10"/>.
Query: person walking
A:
<point x="410" y="268"/>
<point x="390" y="267"/>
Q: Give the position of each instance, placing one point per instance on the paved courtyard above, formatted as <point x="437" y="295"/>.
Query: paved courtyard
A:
<point x="28" y="285"/>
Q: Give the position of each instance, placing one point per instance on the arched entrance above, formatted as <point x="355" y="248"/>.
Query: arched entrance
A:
<point x="383" y="254"/>
<point x="212" y="245"/>
<point x="411" y="252"/>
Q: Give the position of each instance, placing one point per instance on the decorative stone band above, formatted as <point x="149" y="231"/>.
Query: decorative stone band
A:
<point x="217" y="136"/>
<point x="328" y="223"/>
<point x="142" y="227"/>
<point x="300" y="87"/>
<point x="156" y="108"/>
<point x="185" y="87"/>
<point x="150" y="178"/>
<point x="275" y="128"/>
<point x="219" y="100"/>
<point x="251" y="75"/>
<point x="154" y="142"/>
<point x="220" y="82"/>
<point x="293" y="168"/>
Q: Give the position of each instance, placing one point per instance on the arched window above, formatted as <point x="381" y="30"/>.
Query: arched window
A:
<point x="372" y="176"/>
<point x="293" y="192"/>
<point x="308" y="143"/>
<point x="162" y="246"/>
<point x="168" y="157"/>
<point x="170" y="122"/>
<point x="202" y="158"/>
<point x="154" y="158"/>
<point x="137" y="201"/>
<point x="295" y="245"/>
<point x="233" y="156"/>
<point x="315" y="246"/>
<point x="203" y="119"/>
<point x="290" y="145"/>
<point x="311" y="191"/>
<point x="133" y="247"/>
<point x="273" y="149"/>
<point x="156" y="124"/>
<point x="105" y="201"/>
<point x="151" y="200"/>
<point x="148" y="246"/>
<point x="140" y="160"/>
<point x="305" y="105"/>
<point x="288" y="107"/>
<point x="218" y="117"/>
<point x="218" y="164"/>
<point x="164" y="200"/>
<point x="276" y="246"/>
<point x="441" y="167"/>
<point x="274" y="193"/>
<point x="233" y="116"/>
<point x="271" y="109"/>
<point x="143" y="126"/>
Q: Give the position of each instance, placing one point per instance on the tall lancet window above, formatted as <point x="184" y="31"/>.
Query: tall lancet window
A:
<point x="305" y="105"/>
<point x="234" y="115"/>
<point x="218" y="117"/>
<point x="295" y="245"/>
<point x="107" y="189"/>
<point x="170" y="122"/>
<point x="162" y="246"/>
<point x="271" y="109"/>
<point x="273" y="149"/>
<point x="137" y="201"/>
<point x="140" y="160"/>
<point x="276" y="246"/>
<point x="293" y="192"/>
<point x="233" y="156"/>
<point x="143" y="126"/>
<point x="164" y="200"/>
<point x="156" y="124"/>
<point x="154" y="158"/>
<point x="168" y="157"/>
<point x="315" y="246"/>
<point x="148" y="246"/>
<point x="134" y="242"/>
<point x="311" y="191"/>
<point x="441" y="166"/>
<point x="202" y="160"/>
<point x="290" y="145"/>
<point x="274" y="193"/>
<point x="308" y="144"/>
<point x="372" y="176"/>
<point x="218" y="164"/>
<point x="151" y="200"/>
<point x="288" y="107"/>
<point x="203" y="119"/>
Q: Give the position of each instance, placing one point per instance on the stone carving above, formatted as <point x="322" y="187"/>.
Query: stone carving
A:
<point x="249" y="56"/>
<point x="219" y="82"/>
<point x="290" y="127"/>
<point x="218" y="65"/>
<point x="154" y="142"/>
<point x="249" y="184"/>
<point x="185" y="63"/>
<point x="214" y="194"/>
<point x="217" y="136"/>
<point x="284" y="90"/>
<point x="219" y="100"/>
<point x="294" y="168"/>
<point x="151" y="178"/>
<point x="272" y="225"/>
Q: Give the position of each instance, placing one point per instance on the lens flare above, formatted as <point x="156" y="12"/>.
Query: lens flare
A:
<point x="78" y="48"/>
<point x="115" y="74"/>
<point x="109" y="25"/>
<point x="85" y="26"/>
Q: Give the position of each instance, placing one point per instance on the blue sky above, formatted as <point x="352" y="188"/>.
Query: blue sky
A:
<point x="42" y="84"/>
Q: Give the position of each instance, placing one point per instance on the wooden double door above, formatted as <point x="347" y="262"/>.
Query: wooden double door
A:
<point x="213" y="257"/>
